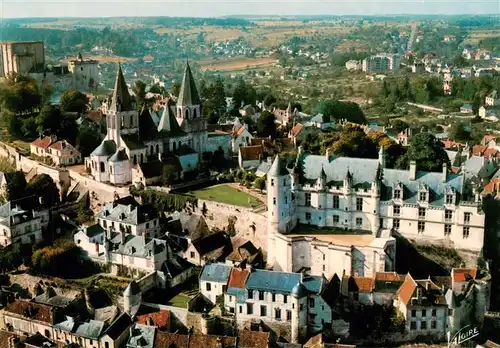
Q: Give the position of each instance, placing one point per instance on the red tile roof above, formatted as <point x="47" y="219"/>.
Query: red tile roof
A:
<point x="33" y="311"/>
<point x="406" y="290"/>
<point x="491" y="187"/>
<point x="237" y="278"/>
<point x="451" y="144"/>
<point x="478" y="150"/>
<point x="487" y="138"/>
<point x="251" y="152"/>
<point x="160" y="318"/>
<point x="296" y="129"/>
<point x="490" y="153"/>
<point x="364" y="284"/>
<point x="463" y="274"/>
<point x="389" y="277"/>
<point x="253" y="339"/>
<point x="168" y="340"/>
<point x="44" y="142"/>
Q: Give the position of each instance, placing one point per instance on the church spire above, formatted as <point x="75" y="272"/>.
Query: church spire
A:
<point x="188" y="94"/>
<point x="121" y="100"/>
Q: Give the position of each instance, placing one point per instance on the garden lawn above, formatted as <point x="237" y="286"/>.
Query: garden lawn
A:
<point x="229" y="195"/>
<point x="180" y="301"/>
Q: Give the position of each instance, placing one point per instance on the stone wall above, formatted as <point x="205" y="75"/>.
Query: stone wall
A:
<point x="218" y="215"/>
<point x="102" y="191"/>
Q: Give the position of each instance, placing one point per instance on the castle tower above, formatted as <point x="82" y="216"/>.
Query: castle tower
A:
<point x="122" y="118"/>
<point x="188" y="112"/>
<point x="299" y="291"/>
<point x="381" y="157"/>
<point x="132" y="298"/>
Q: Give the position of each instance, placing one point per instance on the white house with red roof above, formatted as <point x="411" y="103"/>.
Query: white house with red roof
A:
<point x="61" y="152"/>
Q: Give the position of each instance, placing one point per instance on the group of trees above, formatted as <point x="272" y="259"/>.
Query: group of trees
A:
<point x="337" y="110"/>
<point x="41" y="186"/>
<point x="213" y="98"/>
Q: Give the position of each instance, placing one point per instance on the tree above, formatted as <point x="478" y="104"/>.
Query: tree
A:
<point x="175" y="90"/>
<point x="266" y="125"/>
<point x="87" y="140"/>
<point x="43" y="186"/>
<point x="49" y="120"/>
<point x="338" y="110"/>
<point x="74" y="101"/>
<point x="353" y="142"/>
<point x="458" y="132"/>
<point x="260" y="184"/>
<point x="139" y="90"/>
<point x="399" y="125"/>
<point x="428" y="153"/>
<point x="16" y="185"/>
<point x="169" y="174"/>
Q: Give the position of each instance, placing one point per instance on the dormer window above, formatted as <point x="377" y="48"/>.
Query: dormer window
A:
<point x="450" y="196"/>
<point x="397" y="193"/>
<point x="422" y="196"/>
<point x="449" y="199"/>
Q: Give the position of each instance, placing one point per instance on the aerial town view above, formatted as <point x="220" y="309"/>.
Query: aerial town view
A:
<point x="245" y="174"/>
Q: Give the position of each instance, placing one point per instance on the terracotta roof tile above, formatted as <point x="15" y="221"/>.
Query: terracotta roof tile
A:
<point x="43" y="142"/>
<point x="251" y="152"/>
<point x="253" y="339"/>
<point x="478" y="150"/>
<point x="364" y="284"/>
<point x="491" y="187"/>
<point x="237" y="278"/>
<point x="168" y="340"/>
<point x="487" y="138"/>
<point x="389" y="277"/>
<point x="31" y="310"/>
<point x="463" y="274"/>
<point x="296" y="129"/>
<point x="490" y="153"/>
<point x="160" y="318"/>
<point x="406" y="290"/>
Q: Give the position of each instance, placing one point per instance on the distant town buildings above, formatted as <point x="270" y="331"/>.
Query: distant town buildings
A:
<point x="381" y="63"/>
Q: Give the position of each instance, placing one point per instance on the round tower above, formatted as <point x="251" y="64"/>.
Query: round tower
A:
<point x="132" y="297"/>
<point x="299" y="291"/>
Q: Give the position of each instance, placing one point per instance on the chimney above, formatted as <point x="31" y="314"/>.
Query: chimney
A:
<point x="122" y="237"/>
<point x="327" y="154"/>
<point x="444" y="173"/>
<point x="413" y="170"/>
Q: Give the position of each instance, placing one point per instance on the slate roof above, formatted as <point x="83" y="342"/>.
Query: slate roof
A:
<point x="136" y="246"/>
<point x="91" y="329"/>
<point x="282" y="282"/>
<point x="107" y="148"/>
<point x="94" y="230"/>
<point x="214" y="247"/>
<point x="175" y="265"/>
<point x="35" y="311"/>
<point x="147" y="127"/>
<point x="278" y="168"/>
<point x="121" y="99"/>
<point x="314" y="284"/>
<point x="133" y="141"/>
<point x="263" y="169"/>
<point x="119" y="156"/>
<point x="128" y="211"/>
<point x="118" y="326"/>
<point x="49" y="297"/>
<point x="142" y="336"/>
<point x="188" y="94"/>
<point x="23" y="207"/>
<point x="168" y="124"/>
<point x="242" y="250"/>
<point x="249" y="153"/>
<point x="216" y="272"/>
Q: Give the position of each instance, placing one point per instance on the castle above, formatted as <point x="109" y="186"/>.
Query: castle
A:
<point x="135" y="146"/>
<point x="311" y="206"/>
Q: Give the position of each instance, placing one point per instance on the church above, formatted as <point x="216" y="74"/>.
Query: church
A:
<point x="135" y="149"/>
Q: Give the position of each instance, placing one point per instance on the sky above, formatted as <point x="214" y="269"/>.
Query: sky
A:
<point x="211" y="8"/>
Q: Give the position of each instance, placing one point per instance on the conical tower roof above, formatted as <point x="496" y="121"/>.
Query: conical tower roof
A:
<point x="132" y="289"/>
<point x="278" y="168"/>
<point x="188" y="94"/>
<point x="121" y="100"/>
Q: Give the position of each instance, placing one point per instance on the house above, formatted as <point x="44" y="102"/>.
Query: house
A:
<point x="22" y="222"/>
<point x="84" y="333"/>
<point x="213" y="280"/>
<point x="26" y="318"/>
<point x="117" y="332"/>
<point x="177" y="270"/>
<point x="250" y="156"/>
<point x="353" y="65"/>
<point x="141" y="336"/>
<point x="214" y="247"/>
<point x="60" y="152"/>
<point x="151" y="173"/>
<point x="320" y="121"/>
<point x="284" y="116"/>
<point x="244" y="251"/>
<point x="264" y="167"/>
<point x="423" y="307"/>
<point x="492" y="99"/>
<point x="241" y="136"/>
<point x="247" y="111"/>
<point x="404" y="137"/>
<point x="150" y="316"/>
<point x="466" y="109"/>
<point x="479" y="169"/>
<point x="169" y="340"/>
<point x="491" y="113"/>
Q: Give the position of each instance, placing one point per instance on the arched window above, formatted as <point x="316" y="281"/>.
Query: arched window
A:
<point x="135" y="159"/>
<point x="142" y="158"/>
<point x="151" y="149"/>
<point x="187" y="113"/>
<point x="194" y="113"/>
<point x="157" y="148"/>
<point x="174" y="147"/>
<point x="102" y="167"/>
<point x="131" y="123"/>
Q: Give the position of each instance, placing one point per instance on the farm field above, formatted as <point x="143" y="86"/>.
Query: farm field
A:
<point x="234" y="63"/>
<point x="479" y="34"/>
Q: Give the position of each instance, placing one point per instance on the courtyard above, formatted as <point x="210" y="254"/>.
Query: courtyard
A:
<point x="228" y="194"/>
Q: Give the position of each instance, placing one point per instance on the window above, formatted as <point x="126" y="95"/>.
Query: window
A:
<point x="397" y="194"/>
<point x="423" y="325"/>
<point x="250" y="294"/>
<point x="274" y="200"/>
<point x="449" y="199"/>
<point x="261" y="295"/>
<point x="249" y="308"/>
<point x="433" y="324"/>
<point x="413" y="325"/>
<point x="288" y="315"/>
<point x="147" y="224"/>
<point x="396" y="210"/>
<point x="422" y="196"/>
<point x="466" y="232"/>
<point x="466" y="218"/>
<point x="231" y="309"/>
<point x="448" y="215"/>
<point x="263" y="311"/>
<point x="421" y="212"/>
<point x="277" y="313"/>
<point x="447" y="230"/>
<point x="336" y="202"/>
<point x="308" y="216"/>
<point x="272" y="182"/>
<point x="395" y="224"/>
<point x="413" y="313"/>
<point x="311" y="302"/>
<point x="301" y="307"/>
<point x="359" y="204"/>
<point x="308" y="200"/>
<point x="273" y="297"/>
<point x="359" y="222"/>
<point x="192" y="254"/>
<point x="209" y="286"/>
<point x="336" y="219"/>
<point x="241" y="309"/>
<point x="433" y="313"/>
<point x="424" y="313"/>
<point x="421" y="226"/>
<point x="285" y="299"/>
